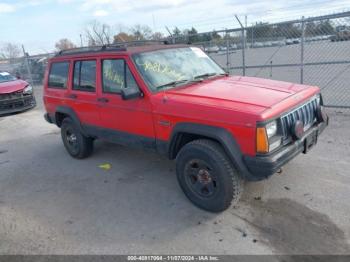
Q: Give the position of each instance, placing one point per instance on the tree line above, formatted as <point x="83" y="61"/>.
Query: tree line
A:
<point x="291" y="30"/>
<point x="96" y="33"/>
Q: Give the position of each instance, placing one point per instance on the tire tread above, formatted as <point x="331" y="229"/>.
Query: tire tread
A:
<point x="237" y="182"/>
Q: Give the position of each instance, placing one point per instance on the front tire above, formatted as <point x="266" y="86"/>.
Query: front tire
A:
<point x="77" y="145"/>
<point x="207" y="176"/>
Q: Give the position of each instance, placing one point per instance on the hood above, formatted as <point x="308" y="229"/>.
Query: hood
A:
<point x="251" y="91"/>
<point x="12" y="86"/>
<point x="264" y="98"/>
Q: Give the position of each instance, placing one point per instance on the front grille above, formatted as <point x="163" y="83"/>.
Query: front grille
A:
<point x="305" y="113"/>
<point x="15" y="101"/>
<point x="16" y="95"/>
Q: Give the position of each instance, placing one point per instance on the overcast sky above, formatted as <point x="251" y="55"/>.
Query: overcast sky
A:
<point x="38" y="24"/>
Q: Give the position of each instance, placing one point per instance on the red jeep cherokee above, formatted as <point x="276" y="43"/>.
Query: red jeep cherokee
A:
<point x="175" y="100"/>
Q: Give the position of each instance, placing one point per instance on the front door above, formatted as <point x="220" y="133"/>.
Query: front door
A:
<point x="125" y="121"/>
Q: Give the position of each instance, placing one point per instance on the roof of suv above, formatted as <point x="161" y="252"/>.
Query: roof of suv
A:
<point x="88" y="51"/>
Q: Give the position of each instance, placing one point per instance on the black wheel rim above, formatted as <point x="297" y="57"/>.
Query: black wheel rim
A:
<point x="72" y="141"/>
<point x="200" y="178"/>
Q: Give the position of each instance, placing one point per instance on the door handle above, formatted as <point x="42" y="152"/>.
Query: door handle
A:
<point x="103" y="100"/>
<point x="73" y="96"/>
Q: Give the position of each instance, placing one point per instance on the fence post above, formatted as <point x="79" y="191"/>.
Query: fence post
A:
<point x="27" y="65"/>
<point x="227" y="54"/>
<point x="243" y="51"/>
<point x="243" y="45"/>
<point x="302" y="42"/>
<point x="271" y="69"/>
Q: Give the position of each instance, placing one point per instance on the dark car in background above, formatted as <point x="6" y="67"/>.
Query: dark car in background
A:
<point x="15" y="94"/>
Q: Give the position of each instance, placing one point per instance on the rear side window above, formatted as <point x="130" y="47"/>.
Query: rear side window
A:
<point x="58" y="75"/>
<point x="116" y="76"/>
<point x="84" y="78"/>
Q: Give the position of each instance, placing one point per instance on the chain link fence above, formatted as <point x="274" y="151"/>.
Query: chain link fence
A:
<point x="29" y="68"/>
<point x="314" y="51"/>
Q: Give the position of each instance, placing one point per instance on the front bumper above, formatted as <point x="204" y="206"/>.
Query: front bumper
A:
<point x="262" y="167"/>
<point x="17" y="104"/>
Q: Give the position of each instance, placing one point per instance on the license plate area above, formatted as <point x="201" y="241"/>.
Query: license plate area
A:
<point x="310" y="141"/>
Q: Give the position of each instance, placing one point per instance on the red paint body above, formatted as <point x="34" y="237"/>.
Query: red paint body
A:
<point x="12" y="86"/>
<point x="232" y="102"/>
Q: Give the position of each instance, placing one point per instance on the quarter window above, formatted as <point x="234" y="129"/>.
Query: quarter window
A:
<point x="85" y="76"/>
<point x="116" y="76"/>
<point x="58" y="75"/>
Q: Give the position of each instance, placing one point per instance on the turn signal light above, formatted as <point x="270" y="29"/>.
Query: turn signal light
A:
<point x="262" y="143"/>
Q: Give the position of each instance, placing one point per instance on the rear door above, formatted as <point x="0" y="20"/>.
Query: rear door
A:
<point x="127" y="121"/>
<point x="83" y="93"/>
<point x="56" y="84"/>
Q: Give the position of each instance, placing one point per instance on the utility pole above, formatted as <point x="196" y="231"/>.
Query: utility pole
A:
<point x="81" y="40"/>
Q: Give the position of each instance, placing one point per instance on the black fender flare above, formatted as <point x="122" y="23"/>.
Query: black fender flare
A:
<point x="222" y="135"/>
<point x="71" y="113"/>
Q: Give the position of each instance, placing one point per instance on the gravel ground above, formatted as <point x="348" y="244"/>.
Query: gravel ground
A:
<point x="51" y="203"/>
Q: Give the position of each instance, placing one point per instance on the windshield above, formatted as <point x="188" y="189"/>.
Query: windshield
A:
<point x="6" y="77"/>
<point x="164" y="69"/>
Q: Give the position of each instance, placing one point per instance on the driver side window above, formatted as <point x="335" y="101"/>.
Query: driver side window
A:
<point x="116" y="75"/>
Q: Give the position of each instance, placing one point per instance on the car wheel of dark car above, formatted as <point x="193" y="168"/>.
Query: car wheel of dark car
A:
<point x="207" y="176"/>
<point x="77" y="145"/>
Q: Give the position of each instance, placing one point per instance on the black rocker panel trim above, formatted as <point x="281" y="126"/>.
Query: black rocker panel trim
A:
<point x="120" y="137"/>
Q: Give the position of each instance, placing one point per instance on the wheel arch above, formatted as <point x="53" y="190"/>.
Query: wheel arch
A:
<point x="192" y="131"/>
<point x="63" y="112"/>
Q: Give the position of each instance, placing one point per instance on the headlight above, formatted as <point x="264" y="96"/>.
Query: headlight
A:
<point x="271" y="129"/>
<point x="267" y="138"/>
<point x="28" y="90"/>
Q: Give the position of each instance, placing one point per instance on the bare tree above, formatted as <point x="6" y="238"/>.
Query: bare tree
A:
<point x="141" y="32"/>
<point x="97" y="33"/>
<point x="157" y="36"/>
<point x="123" y="37"/>
<point x="64" y="44"/>
<point x="10" y="51"/>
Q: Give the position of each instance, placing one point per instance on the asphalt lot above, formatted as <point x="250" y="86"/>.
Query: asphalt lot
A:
<point x="51" y="203"/>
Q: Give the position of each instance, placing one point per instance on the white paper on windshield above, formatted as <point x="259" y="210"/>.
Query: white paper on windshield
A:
<point x="198" y="52"/>
<point x="4" y="74"/>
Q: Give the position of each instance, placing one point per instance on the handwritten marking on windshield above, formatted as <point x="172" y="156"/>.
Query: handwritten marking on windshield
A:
<point x="161" y="69"/>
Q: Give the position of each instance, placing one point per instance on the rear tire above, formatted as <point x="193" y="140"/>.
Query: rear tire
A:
<point x="207" y="176"/>
<point x="77" y="145"/>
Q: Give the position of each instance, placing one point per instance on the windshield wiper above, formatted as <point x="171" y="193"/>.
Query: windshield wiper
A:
<point x="172" y="83"/>
<point x="205" y="75"/>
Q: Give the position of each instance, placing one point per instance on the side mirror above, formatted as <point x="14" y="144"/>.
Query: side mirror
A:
<point x="131" y="93"/>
